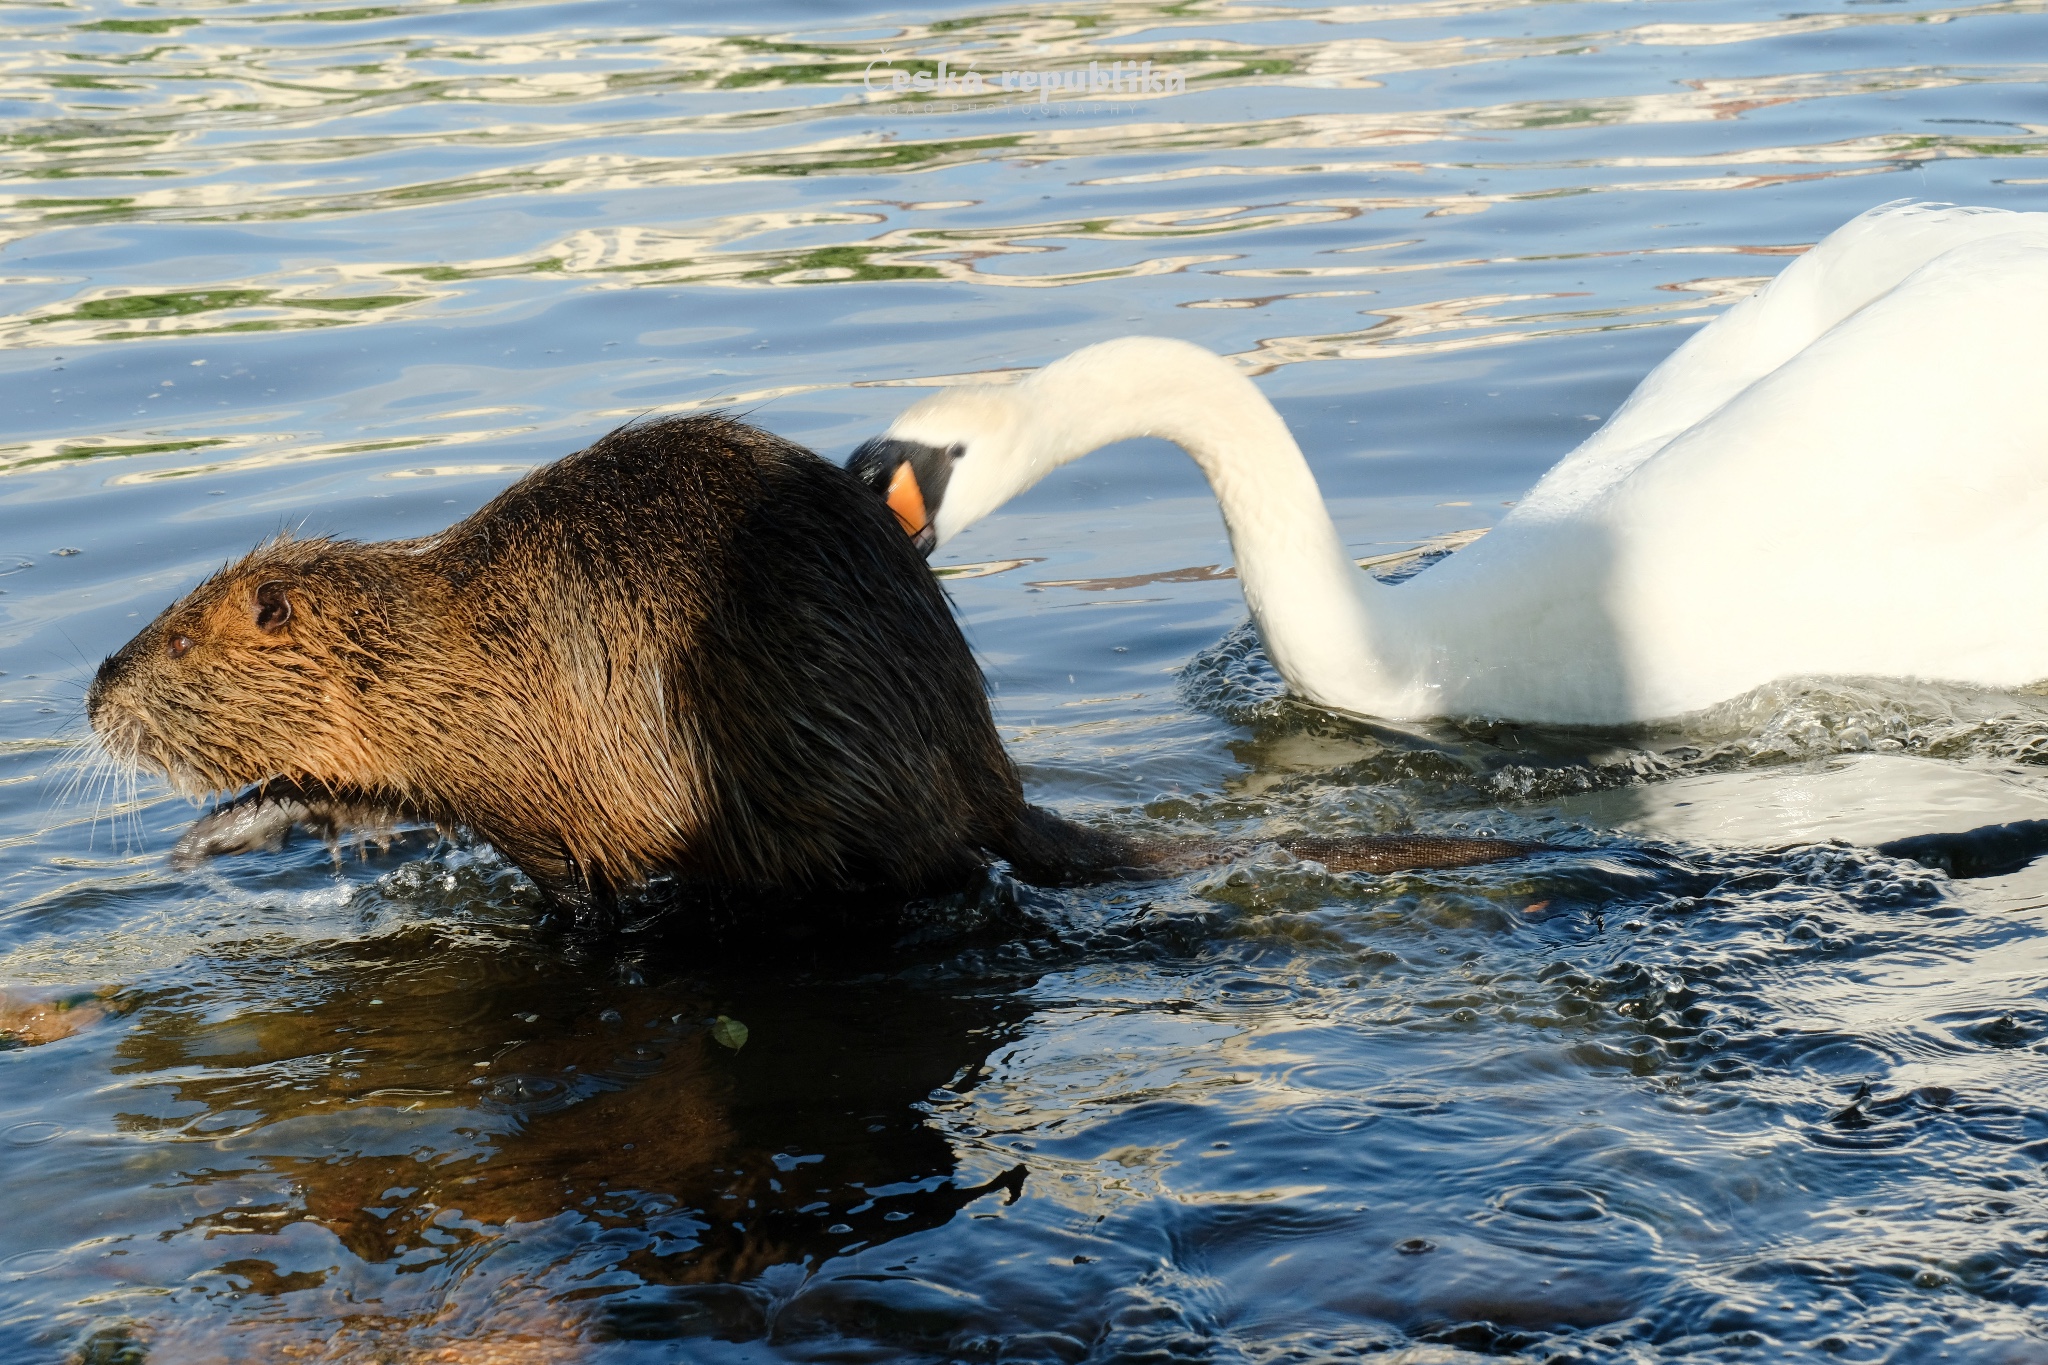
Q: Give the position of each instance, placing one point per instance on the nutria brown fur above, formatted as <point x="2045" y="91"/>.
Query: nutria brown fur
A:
<point x="692" y="649"/>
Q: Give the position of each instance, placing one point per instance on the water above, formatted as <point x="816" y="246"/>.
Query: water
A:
<point x="353" y="269"/>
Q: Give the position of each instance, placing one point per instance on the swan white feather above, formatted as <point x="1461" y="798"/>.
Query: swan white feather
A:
<point x="1846" y="473"/>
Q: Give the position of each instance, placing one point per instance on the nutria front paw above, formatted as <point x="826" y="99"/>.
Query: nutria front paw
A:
<point x="260" y="821"/>
<point x="259" y="825"/>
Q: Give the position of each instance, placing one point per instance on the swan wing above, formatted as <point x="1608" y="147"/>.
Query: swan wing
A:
<point x="1859" y="262"/>
<point x="1877" y="504"/>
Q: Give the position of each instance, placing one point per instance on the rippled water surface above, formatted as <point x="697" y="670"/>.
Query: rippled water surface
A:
<point x="1718" y="1082"/>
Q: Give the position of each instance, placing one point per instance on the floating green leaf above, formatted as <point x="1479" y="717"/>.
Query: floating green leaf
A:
<point x="729" y="1032"/>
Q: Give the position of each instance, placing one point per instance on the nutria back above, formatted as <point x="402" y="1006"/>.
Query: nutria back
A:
<point x="692" y="648"/>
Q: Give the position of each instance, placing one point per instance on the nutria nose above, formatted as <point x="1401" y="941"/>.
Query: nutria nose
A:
<point x="112" y="669"/>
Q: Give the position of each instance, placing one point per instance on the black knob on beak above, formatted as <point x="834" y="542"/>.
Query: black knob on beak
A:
<point x="911" y="477"/>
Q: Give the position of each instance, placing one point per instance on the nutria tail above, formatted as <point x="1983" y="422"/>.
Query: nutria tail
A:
<point x="1407" y="852"/>
<point x="1050" y="851"/>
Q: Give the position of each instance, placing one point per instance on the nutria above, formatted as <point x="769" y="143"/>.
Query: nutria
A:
<point x="691" y="649"/>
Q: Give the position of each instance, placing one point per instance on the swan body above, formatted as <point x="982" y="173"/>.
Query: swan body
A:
<point x="1845" y="473"/>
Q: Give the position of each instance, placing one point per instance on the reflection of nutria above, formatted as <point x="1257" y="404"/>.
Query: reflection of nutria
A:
<point x="29" y="1017"/>
<point x="693" y="648"/>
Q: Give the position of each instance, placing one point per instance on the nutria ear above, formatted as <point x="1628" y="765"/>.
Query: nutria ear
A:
<point x="273" y="607"/>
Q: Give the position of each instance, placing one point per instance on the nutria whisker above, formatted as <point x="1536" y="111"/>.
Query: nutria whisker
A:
<point x="86" y="769"/>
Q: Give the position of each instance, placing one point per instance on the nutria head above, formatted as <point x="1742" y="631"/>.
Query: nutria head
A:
<point x="268" y="669"/>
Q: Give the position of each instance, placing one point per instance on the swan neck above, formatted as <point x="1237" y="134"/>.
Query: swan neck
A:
<point x="1314" y="608"/>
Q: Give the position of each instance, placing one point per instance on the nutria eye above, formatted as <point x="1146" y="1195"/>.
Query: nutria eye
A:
<point x="177" y="645"/>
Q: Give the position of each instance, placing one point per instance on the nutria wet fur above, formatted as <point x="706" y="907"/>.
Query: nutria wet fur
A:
<point x="693" y="648"/>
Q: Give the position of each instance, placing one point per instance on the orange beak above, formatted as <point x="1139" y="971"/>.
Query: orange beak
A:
<point x="906" y="500"/>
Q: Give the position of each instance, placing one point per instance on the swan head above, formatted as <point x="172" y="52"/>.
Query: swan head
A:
<point x="957" y="456"/>
<point x="949" y="461"/>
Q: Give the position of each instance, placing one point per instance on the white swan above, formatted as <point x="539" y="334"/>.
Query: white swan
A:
<point x="1846" y="473"/>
